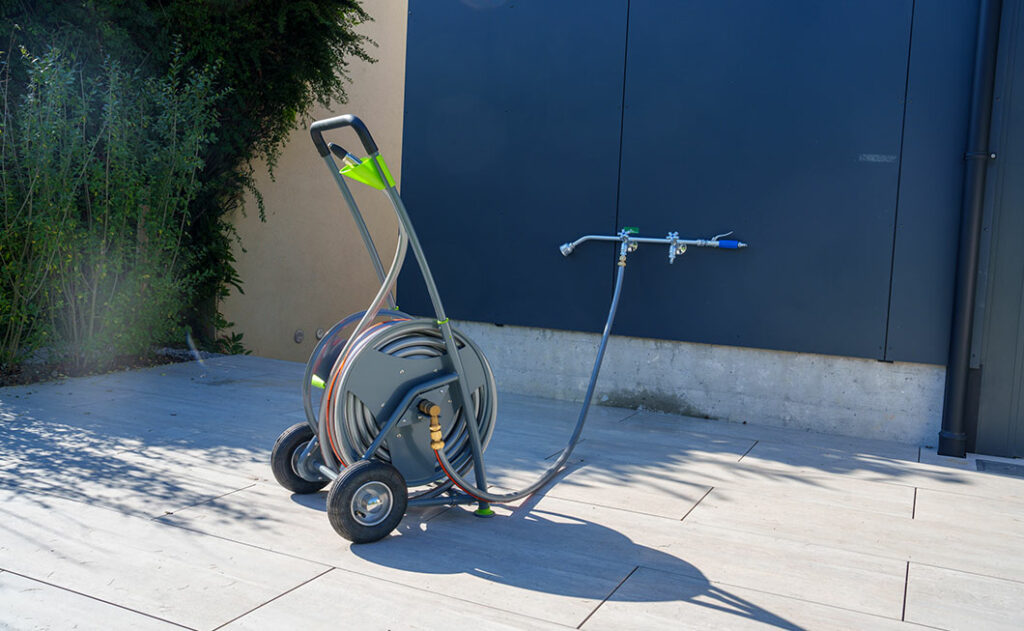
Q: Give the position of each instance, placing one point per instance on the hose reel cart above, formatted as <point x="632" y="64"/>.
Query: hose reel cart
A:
<point x="408" y="405"/>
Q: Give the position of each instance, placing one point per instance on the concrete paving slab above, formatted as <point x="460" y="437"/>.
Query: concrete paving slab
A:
<point x="759" y="561"/>
<point x="149" y="567"/>
<point x="141" y="493"/>
<point x="629" y="444"/>
<point x="697" y="467"/>
<point x="568" y="533"/>
<point x="670" y="424"/>
<point x="658" y="473"/>
<point x="948" y="599"/>
<point x="801" y="529"/>
<point x="341" y="599"/>
<point x="860" y="464"/>
<point x="250" y="464"/>
<point x="529" y="412"/>
<point x="30" y="604"/>
<point x="640" y="491"/>
<point x="632" y="470"/>
<point x="442" y="551"/>
<point x="92" y="466"/>
<point x="979" y="514"/>
<point x="866" y="532"/>
<point x="516" y="458"/>
<point x="223" y="369"/>
<point x="652" y="599"/>
<point x="930" y="455"/>
<point x="801" y="460"/>
<point x="769" y="500"/>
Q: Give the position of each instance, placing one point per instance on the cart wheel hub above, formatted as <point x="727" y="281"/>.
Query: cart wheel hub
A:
<point x="371" y="503"/>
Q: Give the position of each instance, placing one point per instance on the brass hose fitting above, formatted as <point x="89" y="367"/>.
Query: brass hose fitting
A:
<point x="434" y="411"/>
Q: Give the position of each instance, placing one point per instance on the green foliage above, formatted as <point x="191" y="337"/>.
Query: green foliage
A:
<point x="99" y="222"/>
<point x="230" y="343"/>
<point x="98" y="174"/>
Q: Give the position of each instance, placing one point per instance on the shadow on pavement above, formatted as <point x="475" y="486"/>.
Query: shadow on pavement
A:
<point x="544" y="544"/>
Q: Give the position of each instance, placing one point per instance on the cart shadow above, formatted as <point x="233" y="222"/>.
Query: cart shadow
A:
<point x="557" y="554"/>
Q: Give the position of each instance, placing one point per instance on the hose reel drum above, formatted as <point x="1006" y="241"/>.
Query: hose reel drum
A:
<point x="369" y="383"/>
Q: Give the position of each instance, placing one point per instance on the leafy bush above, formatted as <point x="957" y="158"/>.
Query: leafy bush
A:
<point x="98" y="174"/>
<point x="271" y="61"/>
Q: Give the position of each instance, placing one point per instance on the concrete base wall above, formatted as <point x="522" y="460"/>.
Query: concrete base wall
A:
<point x="838" y="395"/>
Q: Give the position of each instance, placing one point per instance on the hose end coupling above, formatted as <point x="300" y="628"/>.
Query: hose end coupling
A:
<point x="566" y="249"/>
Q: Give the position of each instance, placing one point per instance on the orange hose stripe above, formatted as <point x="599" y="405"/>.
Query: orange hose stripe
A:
<point x="464" y="490"/>
<point x="330" y="391"/>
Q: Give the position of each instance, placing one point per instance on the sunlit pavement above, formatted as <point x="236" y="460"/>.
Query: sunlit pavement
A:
<point x="144" y="500"/>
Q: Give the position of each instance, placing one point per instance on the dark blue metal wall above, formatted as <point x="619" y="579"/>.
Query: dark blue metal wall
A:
<point x="780" y="120"/>
<point x="999" y="337"/>
<point x="931" y="180"/>
<point x="510" y="147"/>
<point x="827" y="134"/>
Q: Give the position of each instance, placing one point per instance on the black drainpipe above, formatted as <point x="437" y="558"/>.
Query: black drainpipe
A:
<point x="952" y="438"/>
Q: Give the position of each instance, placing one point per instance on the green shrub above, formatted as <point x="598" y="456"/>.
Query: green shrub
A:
<point x="98" y="175"/>
<point x="273" y="60"/>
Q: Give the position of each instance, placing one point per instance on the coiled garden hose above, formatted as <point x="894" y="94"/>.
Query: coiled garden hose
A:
<point x="322" y="352"/>
<point x="353" y="426"/>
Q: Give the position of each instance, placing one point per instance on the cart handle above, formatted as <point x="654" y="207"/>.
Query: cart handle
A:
<point x="348" y="120"/>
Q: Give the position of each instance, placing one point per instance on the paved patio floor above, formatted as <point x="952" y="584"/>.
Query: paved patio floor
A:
<point x="143" y="500"/>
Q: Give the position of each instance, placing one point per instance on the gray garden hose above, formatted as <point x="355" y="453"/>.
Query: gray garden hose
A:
<point x="548" y="475"/>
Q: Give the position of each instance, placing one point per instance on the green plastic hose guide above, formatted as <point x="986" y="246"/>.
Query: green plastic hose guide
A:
<point x="365" y="173"/>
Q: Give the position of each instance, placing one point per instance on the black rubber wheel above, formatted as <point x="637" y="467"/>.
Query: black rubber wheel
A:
<point x="367" y="501"/>
<point x="282" y="459"/>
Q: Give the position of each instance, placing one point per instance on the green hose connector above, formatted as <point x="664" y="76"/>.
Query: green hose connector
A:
<point x="318" y="382"/>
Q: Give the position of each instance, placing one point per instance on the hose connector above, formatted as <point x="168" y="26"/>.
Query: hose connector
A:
<point x="433" y="410"/>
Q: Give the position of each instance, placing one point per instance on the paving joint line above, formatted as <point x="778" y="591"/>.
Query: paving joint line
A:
<point x="610" y="594"/>
<point x="284" y="593"/>
<point x="242" y="543"/>
<point x="580" y="442"/>
<point x="978" y="574"/>
<point x="906" y="588"/>
<point x="460" y="599"/>
<point x="55" y="492"/>
<point x="628" y="416"/>
<point x="608" y="507"/>
<point x="706" y="493"/>
<point x="201" y="502"/>
<point x="835" y="547"/>
<point x="438" y="513"/>
<point x="529" y="502"/>
<point x="798" y="599"/>
<point x="748" y="451"/>
<point x="91" y="597"/>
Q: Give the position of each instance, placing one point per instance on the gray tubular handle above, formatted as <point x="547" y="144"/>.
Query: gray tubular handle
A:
<point x="348" y="120"/>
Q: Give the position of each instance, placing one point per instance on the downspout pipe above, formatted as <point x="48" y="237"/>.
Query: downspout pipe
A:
<point x="953" y="438"/>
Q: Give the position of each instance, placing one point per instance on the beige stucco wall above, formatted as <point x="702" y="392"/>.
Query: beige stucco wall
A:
<point x="306" y="267"/>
